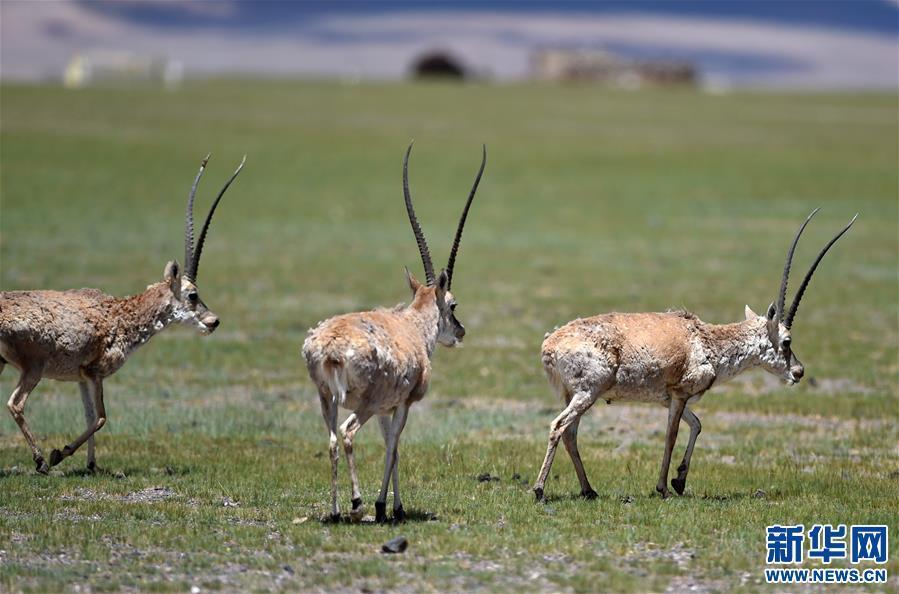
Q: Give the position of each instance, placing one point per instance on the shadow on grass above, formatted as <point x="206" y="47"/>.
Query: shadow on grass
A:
<point x="412" y="516"/>
<point x="556" y="498"/>
<point x="725" y="497"/>
<point x="626" y="499"/>
<point x="81" y="472"/>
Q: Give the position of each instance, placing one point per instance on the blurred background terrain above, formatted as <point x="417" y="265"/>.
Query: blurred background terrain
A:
<point x="793" y="44"/>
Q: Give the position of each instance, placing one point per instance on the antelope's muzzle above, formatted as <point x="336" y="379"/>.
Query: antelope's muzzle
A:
<point x="211" y="323"/>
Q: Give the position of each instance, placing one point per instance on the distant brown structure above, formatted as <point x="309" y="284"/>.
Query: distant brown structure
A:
<point x="607" y="68"/>
<point x="439" y="64"/>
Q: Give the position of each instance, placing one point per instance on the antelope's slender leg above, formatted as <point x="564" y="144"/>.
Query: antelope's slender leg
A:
<point x="90" y="417"/>
<point x="391" y="465"/>
<point x="329" y="413"/>
<point x="579" y="404"/>
<point x="569" y="438"/>
<point x="675" y="410"/>
<point x="384" y="421"/>
<point x="399" y="514"/>
<point x="680" y="483"/>
<point x="28" y="380"/>
<point x="349" y="428"/>
<point x="96" y="386"/>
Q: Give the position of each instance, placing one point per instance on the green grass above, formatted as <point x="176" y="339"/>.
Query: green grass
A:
<point x="592" y="201"/>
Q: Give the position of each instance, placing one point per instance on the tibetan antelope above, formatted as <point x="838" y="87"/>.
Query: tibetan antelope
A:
<point x="667" y="358"/>
<point x="85" y="335"/>
<point x="379" y="362"/>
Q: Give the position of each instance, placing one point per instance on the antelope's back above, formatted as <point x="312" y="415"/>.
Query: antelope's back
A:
<point x="60" y="328"/>
<point x="376" y="349"/>
<point x="638" y="350"/>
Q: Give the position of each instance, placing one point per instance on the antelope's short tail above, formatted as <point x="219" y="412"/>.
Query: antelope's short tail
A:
<point x="335" y="374"/>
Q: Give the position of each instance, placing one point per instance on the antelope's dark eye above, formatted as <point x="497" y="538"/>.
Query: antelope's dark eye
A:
<point x="452" y="307"/>
<point x="785" y="343"/>
<point x="192" y="296"/>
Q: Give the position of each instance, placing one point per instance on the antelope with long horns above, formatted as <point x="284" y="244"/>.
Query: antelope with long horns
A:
<point x="85" y="335"/>
<point x="669" y="358"/>
<point x="379" y="362"/>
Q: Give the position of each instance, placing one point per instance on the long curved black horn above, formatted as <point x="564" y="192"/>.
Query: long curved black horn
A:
<point x="458" y="238"/>
<point x="788" y="322"/>
<point x="782" y="295"/>
<point x="195" y="263"/>
<point x="189" y="216"/>
<point x="413" y="220"/>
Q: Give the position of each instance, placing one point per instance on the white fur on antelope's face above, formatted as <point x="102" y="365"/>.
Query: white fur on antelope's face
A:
<point x="187" y="307"/>
<point x="777" y="357"/>
<point x="450" y="331"/>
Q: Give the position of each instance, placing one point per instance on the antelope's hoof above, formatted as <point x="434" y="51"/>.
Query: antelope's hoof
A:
<point x="334" y="518"/>
<point x="92" y="467"/>
<point x="679" y="485"/>
<point x="41" y="466"/>
<point x="380" y="512"/>
<point x="538" y="495"/>
<point x="589" y="494"/>
<point x="56" y="457"/>
<point x="357" y="511"/>
<point x="399" y="515"/>
<point x="663" y="491"/>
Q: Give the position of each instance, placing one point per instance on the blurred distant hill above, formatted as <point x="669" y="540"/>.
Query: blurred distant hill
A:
<point x="878" y="16"/>
<point x="785" y="43"/>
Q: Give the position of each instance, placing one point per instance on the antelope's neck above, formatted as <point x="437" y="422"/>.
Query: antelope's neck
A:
<point x="423" y="314"/>
<point x="734" y="348"/>
<point x="140" y="317"/>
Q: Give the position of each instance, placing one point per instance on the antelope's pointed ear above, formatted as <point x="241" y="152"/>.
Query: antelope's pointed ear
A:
<point x="414" y="285"/>
<point x="172" y="276"/>
<point x="749" y="313"/>
<point x="442" y="284"/>
<point x="443" y="280"/>
<point x="773" y="324"/>
<point x="172" y="271"/>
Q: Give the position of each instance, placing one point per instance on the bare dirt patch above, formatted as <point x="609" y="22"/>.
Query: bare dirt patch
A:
<point x="684" y="584"/>
<point x="149" y="495"/>
<point x="83" y="494"/>
<point x="72" y="516"/>
<point x="678" y="554"/>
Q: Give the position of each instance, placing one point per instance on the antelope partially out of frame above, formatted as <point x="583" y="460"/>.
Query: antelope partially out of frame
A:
<point x="669" y="358"/>
<point x="85" y="335"/>
<point x="379" y="362"/>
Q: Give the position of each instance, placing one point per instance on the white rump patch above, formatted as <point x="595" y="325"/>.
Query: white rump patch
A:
<point x="337" y="384"/>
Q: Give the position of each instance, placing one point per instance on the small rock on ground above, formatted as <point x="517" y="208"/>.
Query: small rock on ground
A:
<point x="395" y="545"/>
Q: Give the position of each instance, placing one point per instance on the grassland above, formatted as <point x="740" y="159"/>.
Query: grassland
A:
<point x="215" y="467"/>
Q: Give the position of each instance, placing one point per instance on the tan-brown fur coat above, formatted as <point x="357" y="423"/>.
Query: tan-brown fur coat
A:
<point x="81" y="333"/>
